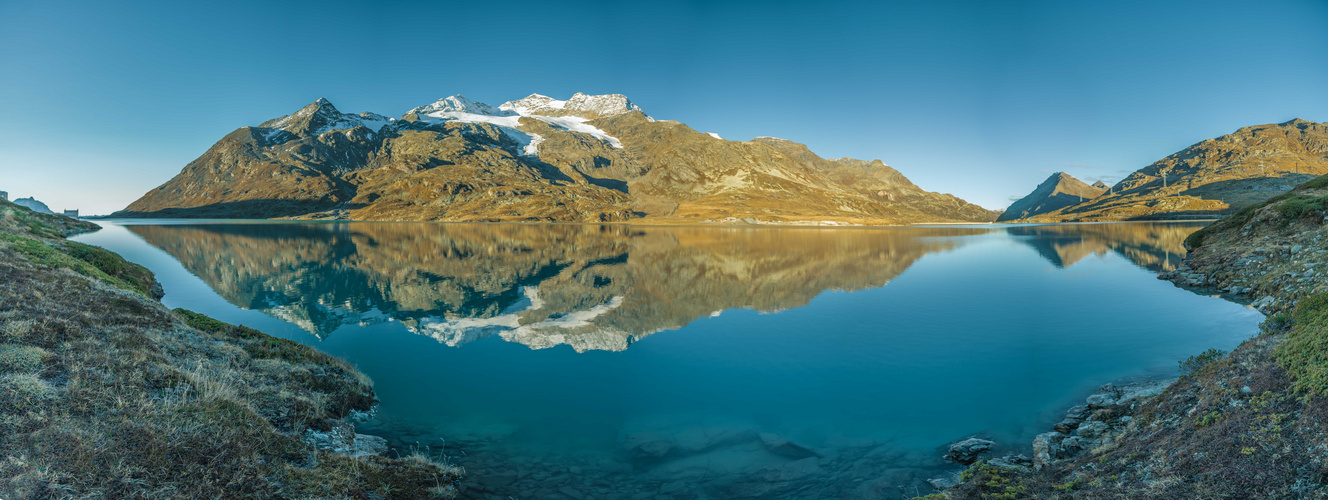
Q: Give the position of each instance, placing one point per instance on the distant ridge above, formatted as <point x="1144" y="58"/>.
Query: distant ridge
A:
<point x="34" y="205"/>
<point x="1058" y="191"/>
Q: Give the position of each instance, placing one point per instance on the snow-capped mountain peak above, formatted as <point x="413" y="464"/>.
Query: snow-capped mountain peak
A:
<point x="321" y="116"/>
<point x="580" y="104"/>
<point x="601" y="105"/>
<point x="460" y="104"/>
<point x="533" y="104"/>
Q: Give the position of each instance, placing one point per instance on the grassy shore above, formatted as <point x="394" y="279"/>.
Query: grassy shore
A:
<point x="105" y="393"/>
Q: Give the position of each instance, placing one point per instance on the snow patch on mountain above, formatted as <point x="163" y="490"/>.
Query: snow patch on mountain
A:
<point x="459" y="331"/>
<point x="712" y="134"/>
<point x="372" y="121"/>
<point x="459" y="109"/>
<point x="578" y="124"/>
<point x="508" y="117"/>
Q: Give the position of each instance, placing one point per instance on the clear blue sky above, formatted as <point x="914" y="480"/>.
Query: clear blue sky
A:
<point x="101" y="102"/>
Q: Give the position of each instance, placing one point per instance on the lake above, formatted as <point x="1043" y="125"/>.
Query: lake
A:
<point x="615" y="361"/>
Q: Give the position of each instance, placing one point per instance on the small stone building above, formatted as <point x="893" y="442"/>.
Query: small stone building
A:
<point x="73" y="214"/>
<point x="4" y="195"/>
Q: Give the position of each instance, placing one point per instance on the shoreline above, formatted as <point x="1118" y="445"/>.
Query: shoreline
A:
<point x="652" y="223"/>
<point x="1244" y="424"/>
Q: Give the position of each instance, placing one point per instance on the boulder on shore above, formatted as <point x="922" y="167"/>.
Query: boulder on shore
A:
<point x="967" y="451"/>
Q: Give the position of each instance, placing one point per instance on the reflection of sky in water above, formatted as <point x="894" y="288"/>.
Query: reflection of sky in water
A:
<point x="978" y="330"/>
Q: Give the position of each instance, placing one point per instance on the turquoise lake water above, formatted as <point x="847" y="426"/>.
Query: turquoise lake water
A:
<point x="566" y="361"/>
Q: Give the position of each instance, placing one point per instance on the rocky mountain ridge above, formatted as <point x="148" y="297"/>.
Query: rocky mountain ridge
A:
<point x="586" y="159"/>
<point x="1213" y="177"/>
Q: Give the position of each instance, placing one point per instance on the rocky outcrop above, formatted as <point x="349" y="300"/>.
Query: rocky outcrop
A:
<point x="1058" y="191"/>
<point x="1270" y="255"/>
<point x="967" y="451"/>
<point x="1104" y="416"/>
<point x="586" y="159"/>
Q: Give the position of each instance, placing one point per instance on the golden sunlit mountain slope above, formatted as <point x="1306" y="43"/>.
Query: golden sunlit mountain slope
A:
<point x="587" y="159"/>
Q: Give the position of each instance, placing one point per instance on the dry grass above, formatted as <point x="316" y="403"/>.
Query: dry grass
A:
<point x="104" y="393"/>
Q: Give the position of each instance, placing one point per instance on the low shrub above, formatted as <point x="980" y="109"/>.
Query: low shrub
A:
<point x="1304" y="354"/>
<point x="1199" y="361"/>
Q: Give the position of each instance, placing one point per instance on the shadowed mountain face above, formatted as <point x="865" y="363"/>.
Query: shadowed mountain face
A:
<point x="592" y="287"/>
<point x="1157" y="247"/>
<point x="1215" y="176"/>
<point x="587" y="159"/>
<point x="1058" y="191"/>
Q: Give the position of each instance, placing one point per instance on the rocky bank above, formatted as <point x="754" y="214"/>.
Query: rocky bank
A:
<point x="1252" y="423"/>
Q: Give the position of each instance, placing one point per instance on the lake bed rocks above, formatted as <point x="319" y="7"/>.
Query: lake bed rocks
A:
<point x="781" y="446"/>
<point x="698" y="462"/>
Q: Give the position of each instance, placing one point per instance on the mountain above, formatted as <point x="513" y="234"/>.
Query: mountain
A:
<point x="1058" y="191"/>
<point x="34" y="205"/>
<point x="590" y="158"/>
<point x="1216" y="176"/>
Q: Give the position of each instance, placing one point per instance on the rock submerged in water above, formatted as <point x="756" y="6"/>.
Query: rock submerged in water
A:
<point x="781" y="446"/>
<point x="945" y="480"/>
<point x="967" y="451"/>
<point x="668" y="444"/>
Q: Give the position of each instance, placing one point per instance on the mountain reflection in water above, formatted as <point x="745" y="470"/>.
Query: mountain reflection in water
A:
<point x="593" y="287"/>
<point x="888" y="342"/>
<point x="1156" y="246"/>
